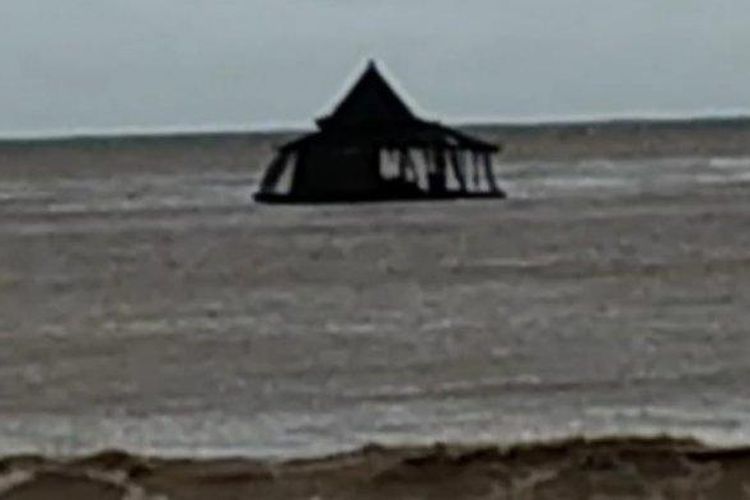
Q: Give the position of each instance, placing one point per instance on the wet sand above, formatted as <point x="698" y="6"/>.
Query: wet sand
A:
<point x="571" y="470"/>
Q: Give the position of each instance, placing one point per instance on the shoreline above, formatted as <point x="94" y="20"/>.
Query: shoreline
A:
<point x="573" y="468"/>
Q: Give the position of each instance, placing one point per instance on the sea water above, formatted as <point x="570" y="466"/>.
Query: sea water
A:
<point x="169" y="314"/>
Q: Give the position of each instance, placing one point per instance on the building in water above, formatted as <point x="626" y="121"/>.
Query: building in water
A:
<point x="372" y="147"/>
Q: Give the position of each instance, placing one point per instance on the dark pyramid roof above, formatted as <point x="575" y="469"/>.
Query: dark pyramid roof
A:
<point x="373" y="113"/>
<point x="371" y="102"/>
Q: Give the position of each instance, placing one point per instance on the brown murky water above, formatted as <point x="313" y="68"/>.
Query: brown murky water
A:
<point x="170" y="314"/>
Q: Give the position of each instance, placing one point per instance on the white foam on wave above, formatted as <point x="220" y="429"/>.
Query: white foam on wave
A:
<point x="601" y="177"/>
<point x="730" y="162"/>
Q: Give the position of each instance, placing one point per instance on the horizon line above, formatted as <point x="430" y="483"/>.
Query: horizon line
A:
<point x="301" y="127"/>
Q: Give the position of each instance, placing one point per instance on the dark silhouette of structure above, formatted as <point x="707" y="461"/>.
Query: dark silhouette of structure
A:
<point x="372" y="148"/>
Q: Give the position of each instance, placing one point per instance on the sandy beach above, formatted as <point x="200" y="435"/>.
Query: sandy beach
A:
<point x="604" y="469"/>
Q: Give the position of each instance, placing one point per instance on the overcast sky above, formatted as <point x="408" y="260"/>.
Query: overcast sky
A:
<point x="72" y="65"/>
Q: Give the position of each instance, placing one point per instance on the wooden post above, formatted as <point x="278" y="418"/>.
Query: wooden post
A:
<point x="439" y="178"/>
<point x="475" y="170"/>
<point x="402" y="162"/>
<point x="274" y="172"/>
<point x="407" y="164"/>
<point x="428" y="167"/>
<point x="489" y="173"/>
<point x="458" y="166"/>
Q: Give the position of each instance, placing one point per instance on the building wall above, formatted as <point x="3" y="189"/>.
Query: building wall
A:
<point x="323" y="171"/>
